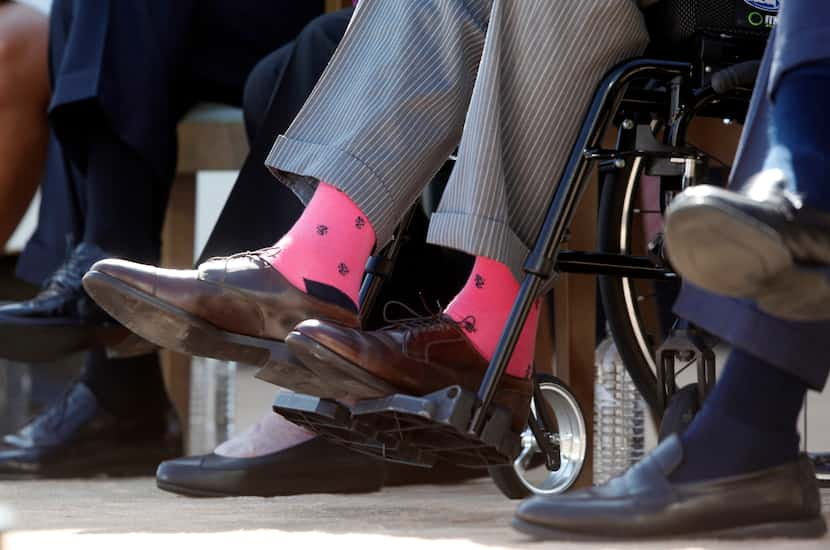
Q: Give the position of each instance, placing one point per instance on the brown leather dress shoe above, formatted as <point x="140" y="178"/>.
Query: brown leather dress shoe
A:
<point x="237" y="308"/>
<point x="416" y="357"/>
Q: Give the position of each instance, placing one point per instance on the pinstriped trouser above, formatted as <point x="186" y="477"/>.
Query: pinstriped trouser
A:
<point x="517" y="76"/>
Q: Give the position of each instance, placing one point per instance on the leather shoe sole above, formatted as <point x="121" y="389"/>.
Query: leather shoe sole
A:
<point x="806" y="529"/>
<point x="173" y="328"/>
<point x="329" y="365"/>
<point x="723" y="250"/>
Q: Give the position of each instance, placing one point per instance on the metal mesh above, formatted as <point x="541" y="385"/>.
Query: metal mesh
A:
<point x="678" y="21"/>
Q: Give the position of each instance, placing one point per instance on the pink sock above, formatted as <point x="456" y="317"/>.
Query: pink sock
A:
<point x="482" y="308"/>
<point x="328" y="245"/>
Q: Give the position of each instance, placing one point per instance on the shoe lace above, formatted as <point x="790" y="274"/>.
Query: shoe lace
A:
<point x="66" y="276"/>
<point x="418" y="321"/>
<point x="433" y="320"/>
<point x="53" y="417"/>
<point x="259" y="255"/>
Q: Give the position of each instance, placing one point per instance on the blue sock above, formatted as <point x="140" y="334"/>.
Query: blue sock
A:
<point x="748" y="422"/>
<point x="800" y="132"/>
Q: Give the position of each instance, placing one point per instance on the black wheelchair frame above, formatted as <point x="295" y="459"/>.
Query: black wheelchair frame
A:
<point x="468" y="429"/>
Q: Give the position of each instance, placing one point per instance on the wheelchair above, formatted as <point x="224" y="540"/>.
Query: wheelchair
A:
<point x="650" y="104"/>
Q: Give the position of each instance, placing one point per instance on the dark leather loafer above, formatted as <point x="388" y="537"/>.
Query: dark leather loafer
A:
<point x="643" y="503"/>
<point x="315" y="466"/>
<point x="760" y="243"/>
<point x="77" y="438"/>
<point x="61" y="319"/>
<point x="237" y="308"/>
<point x="415" y="357"/>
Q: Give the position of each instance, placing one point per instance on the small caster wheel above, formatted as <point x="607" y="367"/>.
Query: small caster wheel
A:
<point x="821" y="462"/>
<point x="683" y="407"/>
<point x="530" y="474"/>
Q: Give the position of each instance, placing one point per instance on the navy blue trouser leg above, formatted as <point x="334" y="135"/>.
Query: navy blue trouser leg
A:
<point x="123" y="74"/>
<point x="749" y="421"/>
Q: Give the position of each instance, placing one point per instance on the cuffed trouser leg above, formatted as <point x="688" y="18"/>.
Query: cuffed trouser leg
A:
<point x="798" y="348"/>
<point x="390" y="107"/>
<point x="538" y="74"/>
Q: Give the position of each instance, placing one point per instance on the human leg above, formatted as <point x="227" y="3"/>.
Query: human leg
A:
<point x="421" y="116"/>
<point x="777" y="253"/>
<point x="24" y="95"/>
<point x="735" y="472"/>
<point x="523" y="116"/>
<point x="116" y="163"/>
<point x="100" y="190"/>
<point x="274" y="457"/>
<point x="257" y="212"/>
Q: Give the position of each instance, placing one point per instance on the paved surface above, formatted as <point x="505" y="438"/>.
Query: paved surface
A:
<point x="132" y="513"/>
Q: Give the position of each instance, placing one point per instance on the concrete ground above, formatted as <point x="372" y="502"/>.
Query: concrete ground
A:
<point x="127" y="514"/>
<point x="132" y="514"/>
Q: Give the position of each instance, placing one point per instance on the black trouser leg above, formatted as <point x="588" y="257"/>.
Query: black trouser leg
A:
<point x="124" y="200"/>
<point x="123" y="73"/>
<point x="259" y="210"/>
<point x="126" y="387"/>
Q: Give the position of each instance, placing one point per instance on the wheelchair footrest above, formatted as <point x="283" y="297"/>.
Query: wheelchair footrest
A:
<point x="410" y="429"/>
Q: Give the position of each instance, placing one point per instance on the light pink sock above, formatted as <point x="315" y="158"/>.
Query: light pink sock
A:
<point x="270" y="434"/>
<point x="329" y="244"/>
<point x="482" y="308"/>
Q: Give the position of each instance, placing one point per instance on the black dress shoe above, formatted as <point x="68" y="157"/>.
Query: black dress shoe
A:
<point x="62" y="319"/>
<point x="760" y="243"/>
<point x="77" y="438"/>
<point x="643" y="503"/>
<point x="315" y="466"/>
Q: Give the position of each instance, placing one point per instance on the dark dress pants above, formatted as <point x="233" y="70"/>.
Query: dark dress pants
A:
<point x="124" y="72"/>
<point x="259" y="210"/>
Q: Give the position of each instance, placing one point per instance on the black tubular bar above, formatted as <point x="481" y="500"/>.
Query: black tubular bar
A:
<point x="612" y="265"/>
<point x="379" y="267"/>
<point x="541" y="260"/>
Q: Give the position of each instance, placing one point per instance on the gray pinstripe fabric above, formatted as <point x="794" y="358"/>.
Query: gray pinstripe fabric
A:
<point x="410" y="75"/>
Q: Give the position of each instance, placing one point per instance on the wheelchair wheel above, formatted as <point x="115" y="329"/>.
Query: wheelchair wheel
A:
<point x="638" y="311"/>
<point x="529" y="474"/>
